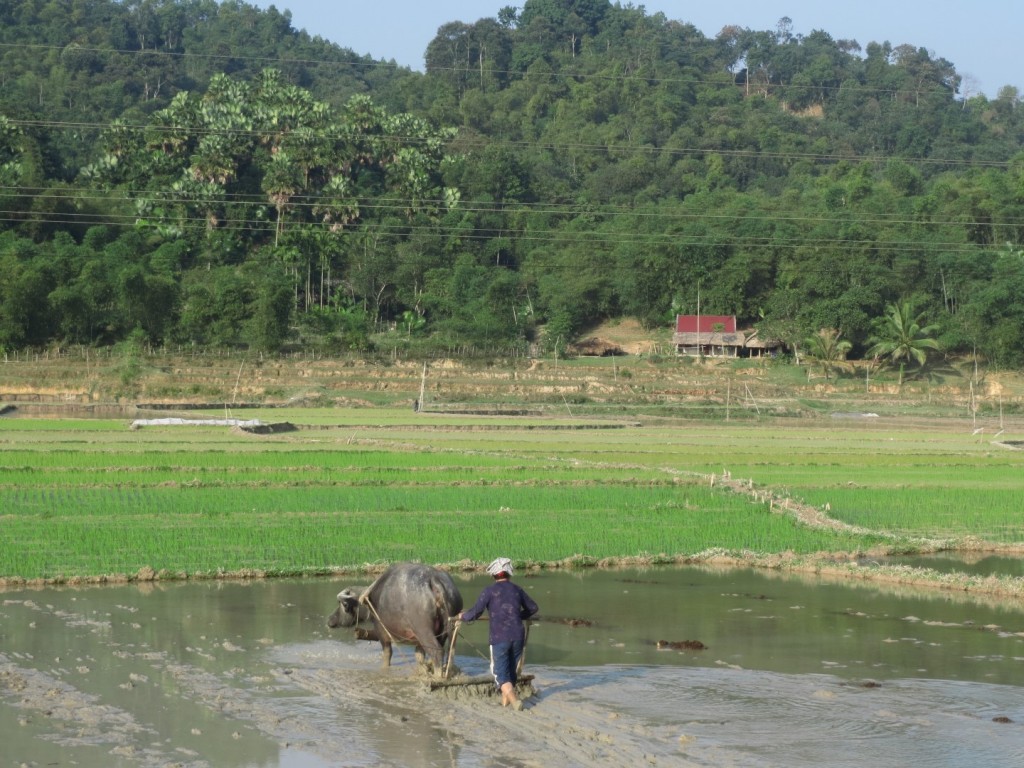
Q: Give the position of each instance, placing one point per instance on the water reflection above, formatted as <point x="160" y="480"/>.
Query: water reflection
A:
<point x="245" y="673"/>
<point x="976" y="564"/>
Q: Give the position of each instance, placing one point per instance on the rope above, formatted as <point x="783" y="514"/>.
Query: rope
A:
<point x="479" y="653"/>
<point x="364" y="599"/>
<point x="451" y="650"/>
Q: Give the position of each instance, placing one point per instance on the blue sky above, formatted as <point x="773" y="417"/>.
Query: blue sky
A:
<point x="980" y="38"/>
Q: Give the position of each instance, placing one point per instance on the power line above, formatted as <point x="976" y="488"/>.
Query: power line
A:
<point x="590" y="238"/>
<point x="479" y="143"/>
<point x="307" y="203"/>
<point x="300" y="202"/>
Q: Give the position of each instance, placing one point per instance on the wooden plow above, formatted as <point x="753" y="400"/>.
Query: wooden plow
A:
<point x="479" y="685"/>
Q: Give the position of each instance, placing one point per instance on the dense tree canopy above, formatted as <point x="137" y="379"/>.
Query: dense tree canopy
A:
<point x="207" y="174"/>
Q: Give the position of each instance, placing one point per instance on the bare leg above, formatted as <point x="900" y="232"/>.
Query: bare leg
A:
<point x="509" y="698"/>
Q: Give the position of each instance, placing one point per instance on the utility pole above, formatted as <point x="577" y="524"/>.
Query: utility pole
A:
<point x="700" y="350"/>
<point x="423" y="387"/>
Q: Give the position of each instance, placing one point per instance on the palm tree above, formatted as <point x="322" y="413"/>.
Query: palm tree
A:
<point x="826" y="349"/>
<point x="901" y="338"/>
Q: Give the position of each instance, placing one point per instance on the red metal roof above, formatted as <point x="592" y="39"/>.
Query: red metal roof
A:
<point x="708" y="323"/>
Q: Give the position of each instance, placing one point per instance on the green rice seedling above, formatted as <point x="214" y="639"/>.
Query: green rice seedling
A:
<point x="204" y="500"/>
<point x="204" y="530"/>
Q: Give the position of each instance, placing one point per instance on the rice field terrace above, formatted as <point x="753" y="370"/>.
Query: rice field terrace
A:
<point x="88" y="498"/>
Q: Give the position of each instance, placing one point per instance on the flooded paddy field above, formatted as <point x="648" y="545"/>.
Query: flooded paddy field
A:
<point x="793" y="671"/>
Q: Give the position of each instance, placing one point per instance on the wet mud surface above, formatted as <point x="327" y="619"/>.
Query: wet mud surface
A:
<point x="246" y="674"/>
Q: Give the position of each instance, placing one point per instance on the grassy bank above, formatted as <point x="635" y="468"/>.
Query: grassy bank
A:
<point x="649" y="386"/>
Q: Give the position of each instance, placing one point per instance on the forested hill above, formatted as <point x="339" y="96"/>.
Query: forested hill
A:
<point x="204" y="174"/>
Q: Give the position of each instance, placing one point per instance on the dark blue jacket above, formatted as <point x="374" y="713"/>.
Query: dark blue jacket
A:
<point x="507" y="604"/>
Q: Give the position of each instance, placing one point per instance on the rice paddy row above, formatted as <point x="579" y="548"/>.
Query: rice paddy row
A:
<point x="87" y="498"/>
<point x="310" y="531"/>
<point x="940" y="483"/>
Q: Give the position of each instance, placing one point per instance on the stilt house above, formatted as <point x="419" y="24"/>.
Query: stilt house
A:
<point x="717" y="336"/>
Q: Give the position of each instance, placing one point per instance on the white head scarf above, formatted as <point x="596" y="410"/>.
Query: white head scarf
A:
<point x="498" y="565"/>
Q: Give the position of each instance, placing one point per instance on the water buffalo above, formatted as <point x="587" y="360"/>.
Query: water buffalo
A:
<point x="408" y="603"/>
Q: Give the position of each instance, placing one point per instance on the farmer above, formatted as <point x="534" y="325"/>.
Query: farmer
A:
<point x="507" y="605"/>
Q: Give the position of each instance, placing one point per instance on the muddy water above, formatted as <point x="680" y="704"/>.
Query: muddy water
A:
<point x="794" y="673"/>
